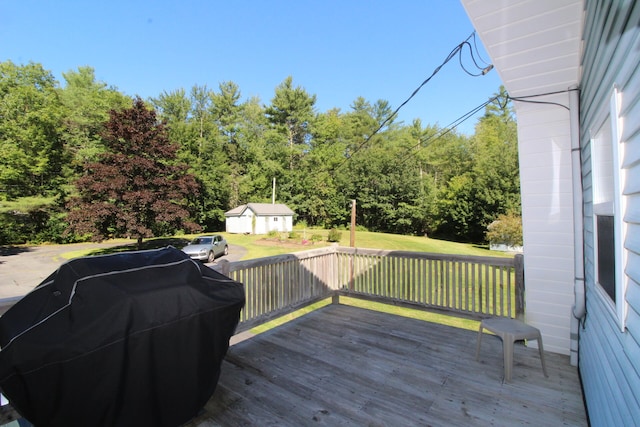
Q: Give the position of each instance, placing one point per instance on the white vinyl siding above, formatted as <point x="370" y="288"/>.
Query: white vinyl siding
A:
<point x="535" y="46"/>
<point x="259" y="218"/>
<point x="547" y="209"/>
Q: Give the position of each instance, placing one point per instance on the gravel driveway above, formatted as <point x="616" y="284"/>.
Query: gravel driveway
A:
<point x="24" y="267"/>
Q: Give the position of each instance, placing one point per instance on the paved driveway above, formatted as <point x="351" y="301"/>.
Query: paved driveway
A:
<point x="22" y="268"/>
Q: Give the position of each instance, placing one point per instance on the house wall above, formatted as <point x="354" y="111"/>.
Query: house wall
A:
<point x="240" y="224"/>
<point x="546" y="186"/>
<point x="535" y="47"/>
<point x="609" y="343"/>
<point x="263" y="223"/>
<point x="280" y="223"/>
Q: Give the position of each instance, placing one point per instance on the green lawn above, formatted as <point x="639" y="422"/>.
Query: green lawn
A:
<point x="427" y="316"/>
<point x="258" y="246"/>
<point x="25" y="204"/>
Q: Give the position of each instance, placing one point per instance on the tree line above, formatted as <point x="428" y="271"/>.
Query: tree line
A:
<point x="225" y="151"/>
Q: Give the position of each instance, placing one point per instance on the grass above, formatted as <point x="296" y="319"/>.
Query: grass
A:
<point x="398" y="242"/>
<point x="258" y="246"/>
<point x="443" y="319"/>
<point x="426" y="316"/>
<point x="25" y="204"/>
<point x="126" y="245"/>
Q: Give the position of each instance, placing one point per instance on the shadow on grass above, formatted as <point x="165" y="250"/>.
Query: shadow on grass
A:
<point x="479" y="246"/>
<point x="163" y="242"/>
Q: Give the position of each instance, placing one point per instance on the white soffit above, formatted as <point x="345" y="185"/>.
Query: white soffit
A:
<point x="535" y="45"/>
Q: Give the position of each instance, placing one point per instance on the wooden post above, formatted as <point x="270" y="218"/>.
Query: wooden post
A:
<point x="224" y="267"/>
<point x="352" y="240"/>
<point x="518" y="263"/>
<point x="273" y="192"/>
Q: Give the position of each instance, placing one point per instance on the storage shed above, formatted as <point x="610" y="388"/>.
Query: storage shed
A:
<point x="259" y="218"/>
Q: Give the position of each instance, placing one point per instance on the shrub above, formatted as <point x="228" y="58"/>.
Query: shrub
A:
<point x="506" y="229"/>
<point x="272" y="234"/>
<point x="316" y="238"/>
<point x="36" y="226"/>
<point x="334" y="235"/>
<point x="294" y="235"/>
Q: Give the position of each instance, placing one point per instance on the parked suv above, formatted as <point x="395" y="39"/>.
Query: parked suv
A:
<point x="207" y="248"/>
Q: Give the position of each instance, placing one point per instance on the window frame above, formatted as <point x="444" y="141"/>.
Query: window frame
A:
<point x="610" y="126"/>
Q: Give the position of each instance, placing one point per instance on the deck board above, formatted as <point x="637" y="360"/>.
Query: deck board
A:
<point x="342" y="365"/>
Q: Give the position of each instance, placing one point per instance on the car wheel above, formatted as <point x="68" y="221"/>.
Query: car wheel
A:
<point x="212" y="256"/>
<point x="226" y="250"/>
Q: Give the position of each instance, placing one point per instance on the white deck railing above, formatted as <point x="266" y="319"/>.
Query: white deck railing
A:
<point x="468" y="285"/>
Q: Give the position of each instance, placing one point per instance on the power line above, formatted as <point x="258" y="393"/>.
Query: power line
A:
<point x="444" y="131"/>
<point x="455" y="51"/>
<point x="526" y="98"/>
<point x="469" y="114"/>
<point x="475" y="45"/>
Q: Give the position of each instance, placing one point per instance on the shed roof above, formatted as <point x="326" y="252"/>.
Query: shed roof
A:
<point x="264" y="209"/>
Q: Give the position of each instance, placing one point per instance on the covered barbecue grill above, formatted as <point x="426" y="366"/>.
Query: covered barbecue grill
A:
<point x="134" y="338"/>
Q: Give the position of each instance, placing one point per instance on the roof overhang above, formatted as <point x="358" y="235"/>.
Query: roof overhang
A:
<point x="535" y="45"/>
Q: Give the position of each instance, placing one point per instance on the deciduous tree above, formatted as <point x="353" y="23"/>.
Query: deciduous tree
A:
<point x="136" y="189"/>
<point x="31" y="149"/>
<point x="87" y="103"/>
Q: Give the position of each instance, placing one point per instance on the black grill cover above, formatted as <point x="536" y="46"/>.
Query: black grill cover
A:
<point x="131" y="339"/>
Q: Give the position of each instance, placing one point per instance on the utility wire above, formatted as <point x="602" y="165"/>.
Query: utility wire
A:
<point x="475" y="45"/>
<point x="483" y="70"/>
<point x="526" y="98"/>
<point x="447" y="129"/>
<point x="455" y="51"/>
<point x="472" y="112"/>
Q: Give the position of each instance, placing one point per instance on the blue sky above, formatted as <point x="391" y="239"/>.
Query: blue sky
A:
<point x="336" y="49"/>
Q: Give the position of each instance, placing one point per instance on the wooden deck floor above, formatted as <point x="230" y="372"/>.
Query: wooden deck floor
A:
<point x="342" y="365"/>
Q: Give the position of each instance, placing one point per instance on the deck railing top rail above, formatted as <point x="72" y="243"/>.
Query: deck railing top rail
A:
<point x="490" y="260"/>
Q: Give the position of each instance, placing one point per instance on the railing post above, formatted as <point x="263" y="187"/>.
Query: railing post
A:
<point x="224" y="267"/>
<point x="518" y="263"/>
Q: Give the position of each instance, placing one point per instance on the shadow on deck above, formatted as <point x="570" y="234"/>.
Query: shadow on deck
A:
<point x="342" y="365"/>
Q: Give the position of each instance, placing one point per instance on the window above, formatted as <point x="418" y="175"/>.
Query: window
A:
<point x="606" y="254"/>
<point x="607" y="214"/>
